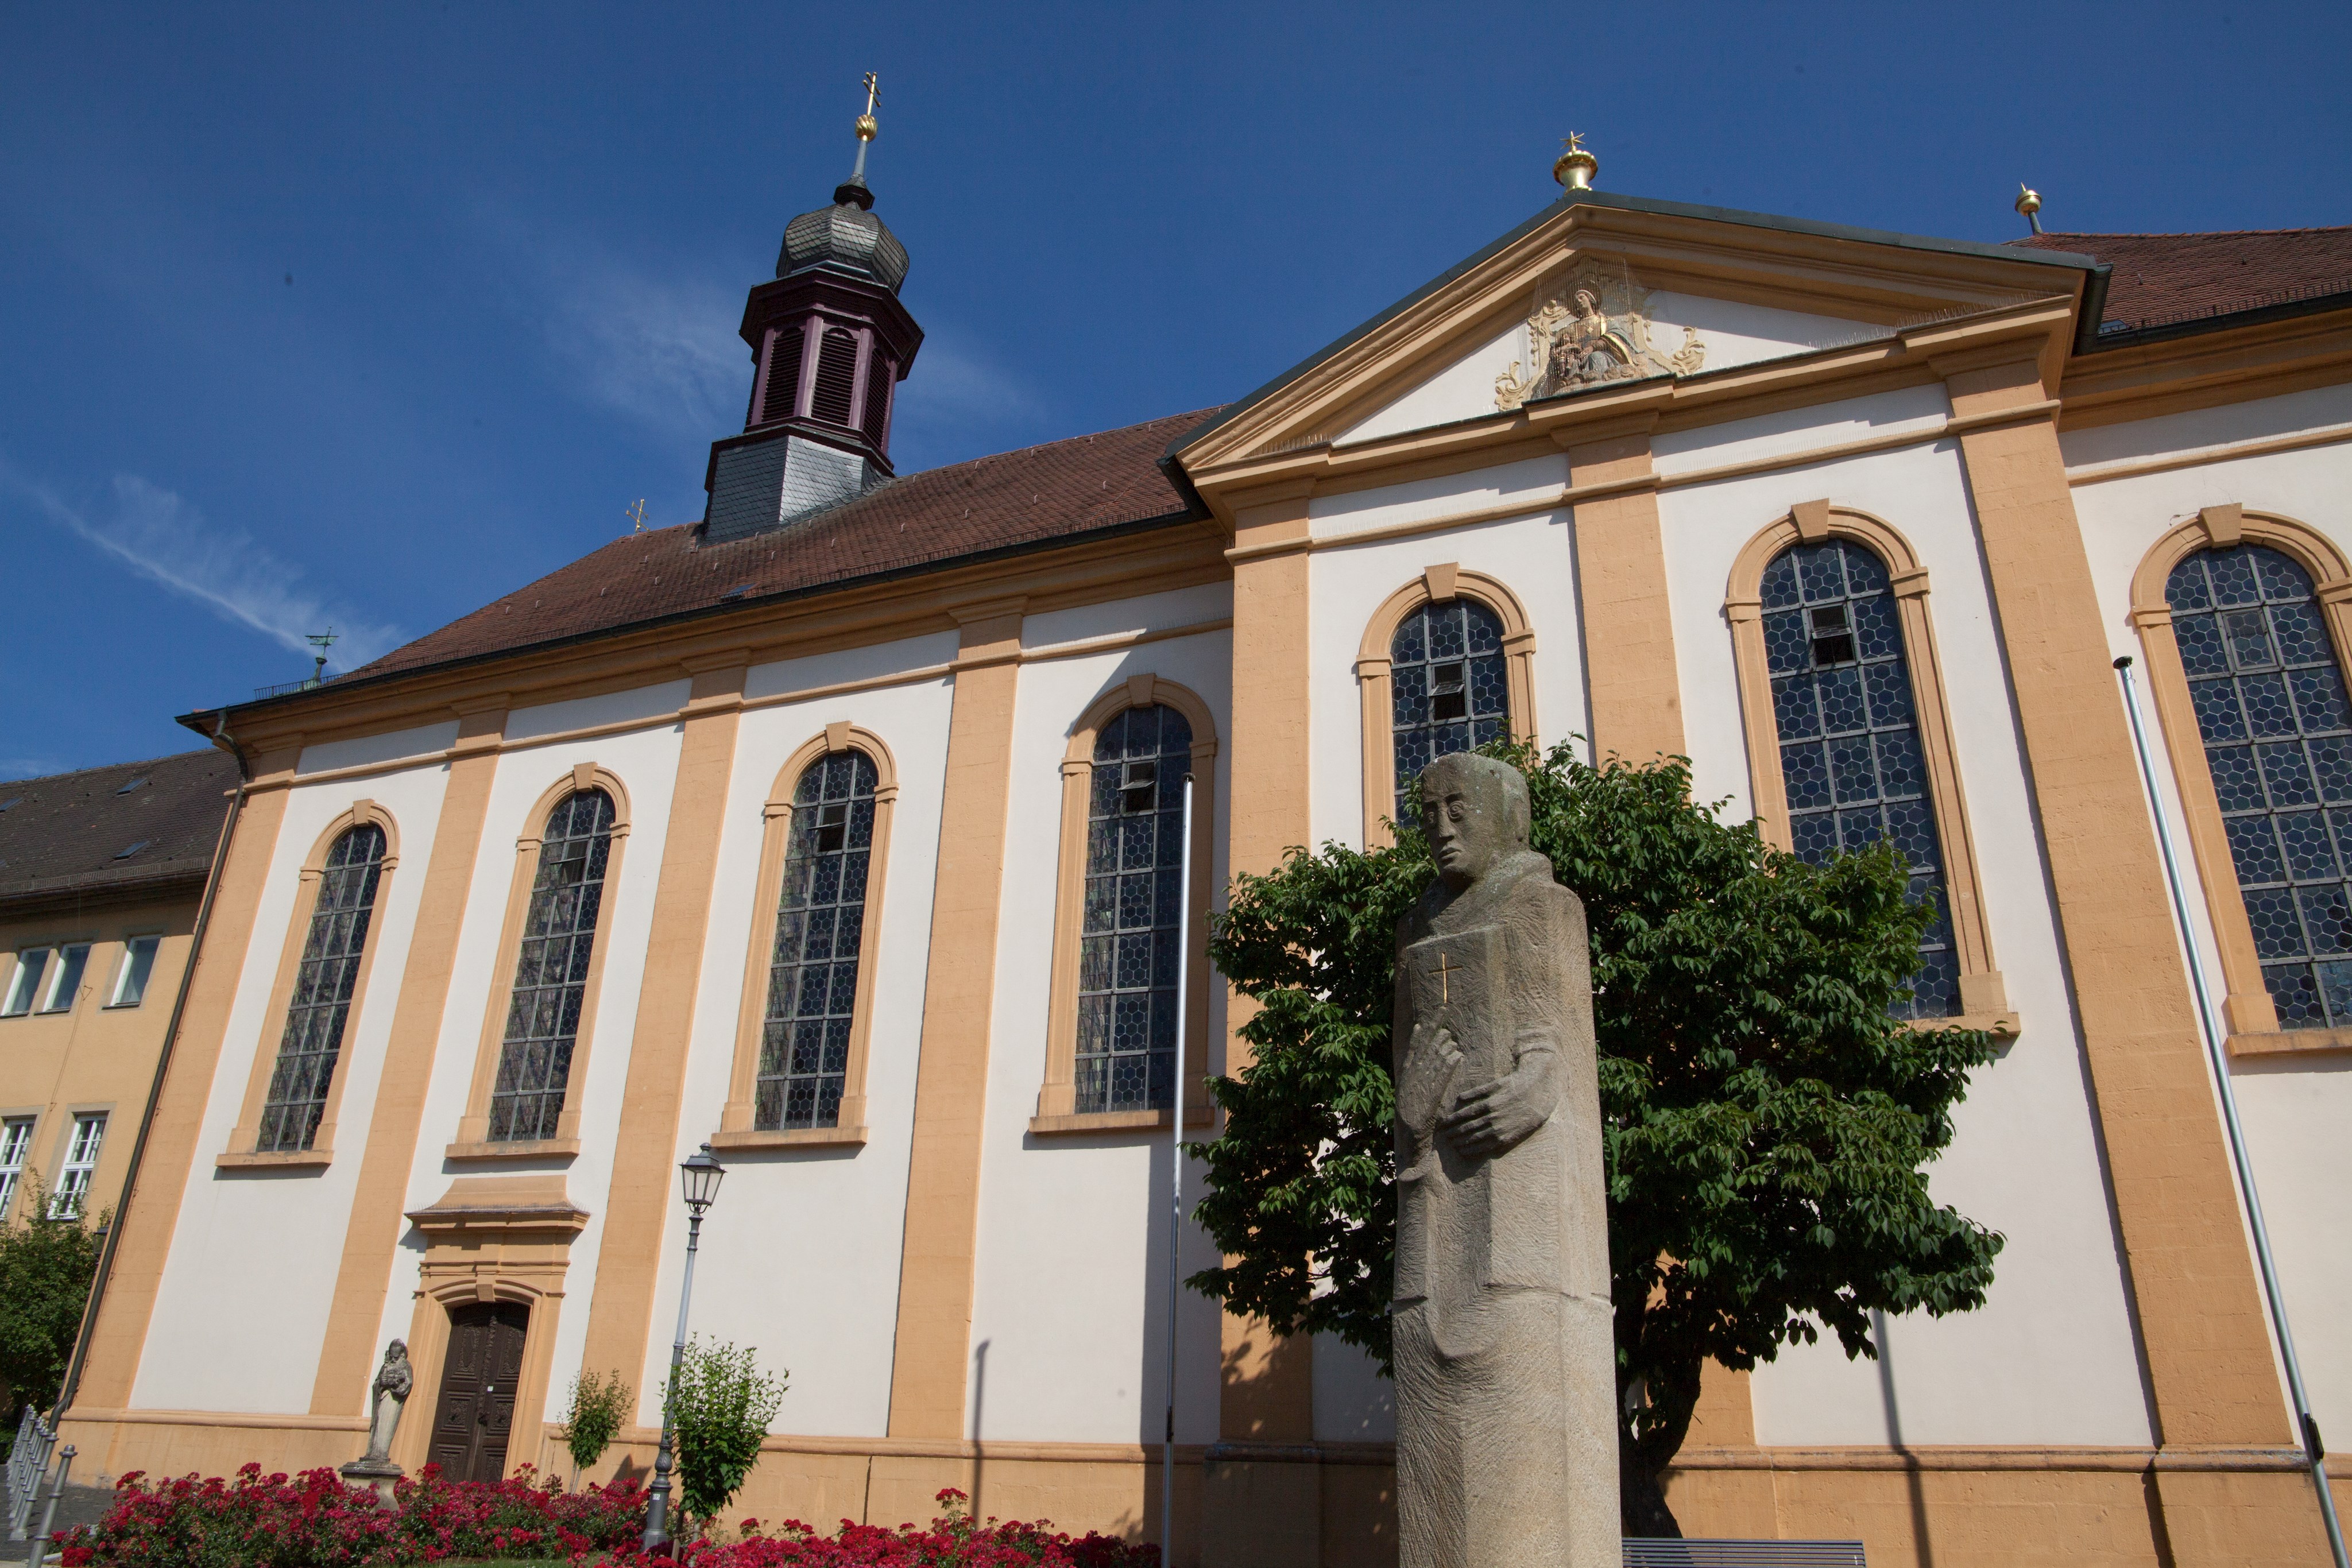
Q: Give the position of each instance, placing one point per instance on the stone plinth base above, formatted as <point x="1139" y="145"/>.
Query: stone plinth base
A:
<point x="378" y="1475"/>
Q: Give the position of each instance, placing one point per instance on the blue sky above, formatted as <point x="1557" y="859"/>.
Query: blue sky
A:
<point x="364" y="316"/>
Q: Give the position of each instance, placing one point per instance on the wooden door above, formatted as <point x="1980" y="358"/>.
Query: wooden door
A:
<point x="476" y="1409"/>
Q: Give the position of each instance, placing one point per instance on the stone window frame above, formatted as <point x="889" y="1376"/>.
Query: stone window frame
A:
<point x="242" y="1139"/>
<point x="1435" y="584"/>
<point x="473" y="1140"/>
<point x="1984" y="995"/>
<point x="1057" y="1110"/>
<point x="2247" y="1013"/>
<point x="735" y="1123"/>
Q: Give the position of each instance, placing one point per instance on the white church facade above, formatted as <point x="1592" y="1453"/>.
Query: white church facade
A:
<point x="836" y="830"/>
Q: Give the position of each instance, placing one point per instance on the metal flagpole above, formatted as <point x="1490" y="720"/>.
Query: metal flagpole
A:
<point x="2314" y="1449"/>
<point x="1176" y="1178"/>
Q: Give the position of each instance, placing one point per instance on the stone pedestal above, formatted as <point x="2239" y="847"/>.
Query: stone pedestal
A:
<point x="375" y="1474"/>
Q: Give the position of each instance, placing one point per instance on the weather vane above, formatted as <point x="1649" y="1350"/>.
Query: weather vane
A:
<point x="322" y="640"/>
<point x="637" y="514"/>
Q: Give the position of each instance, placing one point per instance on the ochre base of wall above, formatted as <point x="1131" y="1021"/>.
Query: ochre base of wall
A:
<point x="1980" y="1507"/>
<point x="1333" y="1505"/>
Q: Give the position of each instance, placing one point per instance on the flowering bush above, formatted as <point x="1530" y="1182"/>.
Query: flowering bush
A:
<point x="316" y="1520"/>
<point x="955" y="1539"/>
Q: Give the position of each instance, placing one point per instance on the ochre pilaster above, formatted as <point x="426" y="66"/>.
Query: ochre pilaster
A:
<point x="2210" y="1376"/>
<point x="642" y="1196"/>
<point x="1620" y="569"/>
<point x="930" y="1367"/>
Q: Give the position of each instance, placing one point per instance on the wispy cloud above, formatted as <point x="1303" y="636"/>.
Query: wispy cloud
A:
<point x="960" y="403"/>
<point x="158" y="535"/>
<point x="663" y="352"/>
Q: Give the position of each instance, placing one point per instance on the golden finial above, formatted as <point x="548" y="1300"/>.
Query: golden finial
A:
<point x="2028" y="204"/>
<point x="1575" y="167"/>
<point x="867" y="126"/>
<point x="637" y="514"/>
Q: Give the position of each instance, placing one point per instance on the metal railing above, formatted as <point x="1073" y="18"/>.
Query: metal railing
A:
<point x="28" y="1461"/>
<point x="1662" y="1553"/>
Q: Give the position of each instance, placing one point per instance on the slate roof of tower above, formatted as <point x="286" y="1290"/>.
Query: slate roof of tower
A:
<point x="63" y="835"/>
<point x="2162" y="280"/>
<point x="1054" y="493"/>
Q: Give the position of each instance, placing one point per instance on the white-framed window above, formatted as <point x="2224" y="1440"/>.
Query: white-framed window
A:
<point x="82" y="1163"/>
<point x="65" y="978"/>
<point x="16" y="1138"/>
<point x="131" y="977"/>
<point x="31" y="963"/>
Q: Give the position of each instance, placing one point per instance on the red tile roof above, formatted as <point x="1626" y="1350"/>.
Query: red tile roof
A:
<point x="63" y="837"/>
<point x="2161" y="279"/>
<point x="1061" y="490"/>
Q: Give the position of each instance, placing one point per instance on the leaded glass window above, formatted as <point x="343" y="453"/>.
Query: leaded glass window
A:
<point x="1135" y="872"/>
<point x="820" y="926"/>
<point x="313" y="1041"/>
<point x="558" y="936"/>
<point x="1449" y="689"/>
<point x="2278" y="738"/>
<point x="1850" y="753"/>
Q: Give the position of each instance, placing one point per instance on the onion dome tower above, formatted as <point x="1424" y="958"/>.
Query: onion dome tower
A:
<point x="830" y="342"/>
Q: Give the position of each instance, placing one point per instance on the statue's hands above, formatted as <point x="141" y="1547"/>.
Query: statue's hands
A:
<point x="1499" y="1115"/>
<point x="1430" y="1059"/>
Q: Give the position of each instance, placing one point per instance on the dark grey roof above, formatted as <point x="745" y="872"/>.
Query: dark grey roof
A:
<point x="63" y="837"/>
<point x="845" y="235"/>
<point x="2055" y="258"/>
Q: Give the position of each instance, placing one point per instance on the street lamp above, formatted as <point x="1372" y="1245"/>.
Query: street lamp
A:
<point x="698" y="1179"/>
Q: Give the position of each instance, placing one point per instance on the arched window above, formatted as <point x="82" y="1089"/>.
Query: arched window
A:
<point x="559" y="937"/>
<point x="1449" y="688"/>
<point x="321" y="1006"/>
<point x="820" y="935"/>
<point x="2271" y="709"/>
<point x="1134" y="889"/>
<point x="1850" y="760"/>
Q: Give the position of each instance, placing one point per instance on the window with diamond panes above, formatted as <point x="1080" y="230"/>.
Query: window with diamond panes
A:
<point x="313" y="1041"/>
<point x="1449" y="689"/>
<point x="2271" y="708"/>
<point x="1849" y="754"/>
<point x="820" y="926"/>
<point x="559" y="937"/>
<point x="1135" y="872"/>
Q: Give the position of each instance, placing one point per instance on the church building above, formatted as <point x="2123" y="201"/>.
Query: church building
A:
<point x="839" y="829"/>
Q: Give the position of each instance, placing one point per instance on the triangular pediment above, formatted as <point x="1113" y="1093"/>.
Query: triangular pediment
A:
<point x="1601" y="290"/>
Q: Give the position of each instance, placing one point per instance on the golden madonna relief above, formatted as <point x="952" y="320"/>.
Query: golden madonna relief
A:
<point x="1591" y="328"/>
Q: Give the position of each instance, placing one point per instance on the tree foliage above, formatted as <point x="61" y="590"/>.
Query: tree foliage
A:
<point x="45" y="1270"/>
<point x="1766" y="1120"/>
<point x="720" y="1404"/>
<point x="598" y="1407"/>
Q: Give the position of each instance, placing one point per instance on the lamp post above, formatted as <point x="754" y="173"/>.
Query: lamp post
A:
<point x="698" y="1178"/>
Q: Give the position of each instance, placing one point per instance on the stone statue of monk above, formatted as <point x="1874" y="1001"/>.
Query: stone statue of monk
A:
<point x="1507" y="1431"/>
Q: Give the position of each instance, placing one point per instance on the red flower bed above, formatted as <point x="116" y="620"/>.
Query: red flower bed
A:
<point x="953" y="1540"/>
<point x="316" y="1520"/>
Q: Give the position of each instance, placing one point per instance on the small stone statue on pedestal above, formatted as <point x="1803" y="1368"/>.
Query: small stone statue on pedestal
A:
<point x="387" y="1396"/>
<point x="1505" y="1379"/>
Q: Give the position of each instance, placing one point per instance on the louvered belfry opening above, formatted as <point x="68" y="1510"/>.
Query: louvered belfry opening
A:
<point x="829" y="340"/>
<point x="836" y="376"/>
<point x="784" y="377"/>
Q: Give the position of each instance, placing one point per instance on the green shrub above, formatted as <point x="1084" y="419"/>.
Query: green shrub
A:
<point x="599" y="1406"/>
<point x="719" y="1407"/>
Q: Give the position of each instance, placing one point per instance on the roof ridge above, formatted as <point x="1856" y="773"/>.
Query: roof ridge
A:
<point x="2183" y="234"/>
<point x="110" y="767"/>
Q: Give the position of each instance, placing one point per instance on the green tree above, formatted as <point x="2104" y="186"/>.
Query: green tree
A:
<point x="1766" y="1120"/>
<point x="599" y="1406"/>
<point x="45" y="1270"/>
<point x="719" y="1406"/>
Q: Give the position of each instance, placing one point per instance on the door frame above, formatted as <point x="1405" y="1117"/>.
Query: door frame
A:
<point x="490" y="1239"/>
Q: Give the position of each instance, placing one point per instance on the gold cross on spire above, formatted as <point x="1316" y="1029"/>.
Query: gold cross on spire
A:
<point x="637" y="515"/>
<point x="867" y="126"/>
